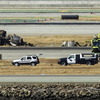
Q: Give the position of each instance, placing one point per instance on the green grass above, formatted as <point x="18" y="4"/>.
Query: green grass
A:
<point x="84" y="10"/>
<point x="49" y="10"/>
<point x="17" y="20"/>
<point x="29" y="10"/>
<point x="36" y="19"/>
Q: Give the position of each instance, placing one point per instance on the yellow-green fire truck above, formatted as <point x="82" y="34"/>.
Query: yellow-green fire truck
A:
<point x="95" y="43"/>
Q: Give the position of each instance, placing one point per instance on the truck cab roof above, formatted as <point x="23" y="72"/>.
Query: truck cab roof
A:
<point x="91" y="54"/>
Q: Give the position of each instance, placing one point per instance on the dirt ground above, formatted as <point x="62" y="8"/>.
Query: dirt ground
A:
<point x="48" y="67"/>
<point x="56" y="40"/>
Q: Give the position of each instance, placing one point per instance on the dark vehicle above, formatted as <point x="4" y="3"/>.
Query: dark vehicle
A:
<point x="83" y="58"/>
<point x="30" y="60"/>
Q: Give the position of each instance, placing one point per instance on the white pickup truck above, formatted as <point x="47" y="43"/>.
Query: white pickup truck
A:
<point x="82" y="58"/>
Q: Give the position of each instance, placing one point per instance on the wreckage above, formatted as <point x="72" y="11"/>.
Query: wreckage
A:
<point x="2" y="37"/>
<point x="72" y="44"/>
<point x="12" y="39"/>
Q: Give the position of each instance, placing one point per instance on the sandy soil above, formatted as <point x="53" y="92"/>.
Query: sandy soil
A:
<point x="56" y="40"/>
<point x="49" y="67"/>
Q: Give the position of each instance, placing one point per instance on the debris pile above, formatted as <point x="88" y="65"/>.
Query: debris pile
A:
<point x="13" y="40"/>
<point x="72" y="44"/>
<point x="60" y="91"/>
<point x="2" y="37"/>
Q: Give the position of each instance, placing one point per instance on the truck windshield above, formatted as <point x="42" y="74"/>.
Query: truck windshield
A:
<point x="72" y="56"/>
<point x="96" y="43"/>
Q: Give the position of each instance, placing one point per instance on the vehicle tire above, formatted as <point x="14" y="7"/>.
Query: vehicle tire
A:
<point x="63" y="63"/>
<point x="33" y="64"/>
<point x="16" y="64"/>
<point x="98" y="59"/>
<point x="88" y="63"/>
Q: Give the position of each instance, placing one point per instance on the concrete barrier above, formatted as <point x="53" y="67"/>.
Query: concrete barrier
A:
<point x="49" y="3"/>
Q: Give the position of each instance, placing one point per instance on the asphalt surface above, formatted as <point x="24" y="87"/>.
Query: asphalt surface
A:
<point x="31" y="30"/>
<point x="11" y="54"/>
<point x="5" y="15"/>
<point x="50" y="78"/>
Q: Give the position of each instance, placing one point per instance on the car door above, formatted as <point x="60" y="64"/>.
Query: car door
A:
<point x="23" y="60"/>
<point x="28" y="60"/>
<point x="71" y="59"/>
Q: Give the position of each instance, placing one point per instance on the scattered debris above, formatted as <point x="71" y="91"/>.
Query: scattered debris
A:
<point x="12" y="39"/>
<point x="71" y="44"/>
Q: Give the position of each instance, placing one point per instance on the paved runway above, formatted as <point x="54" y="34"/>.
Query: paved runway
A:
<point x="31" y="30"/>
<point x="50" y="78"/>
<point x="47" y="53"/>
<point x="44" y="14"/>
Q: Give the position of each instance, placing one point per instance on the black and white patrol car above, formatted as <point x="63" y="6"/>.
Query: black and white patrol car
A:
<point x="30" y="60"/>
<point x="82" y="58"/>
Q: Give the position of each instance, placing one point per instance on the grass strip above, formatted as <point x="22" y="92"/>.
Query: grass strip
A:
<point x="50" y="10"/>
<point x="35" y="19"/>
<point x="48" y="67"/>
